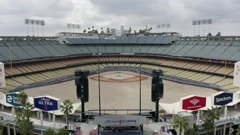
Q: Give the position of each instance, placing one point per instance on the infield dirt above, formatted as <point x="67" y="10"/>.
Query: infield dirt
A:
<point x="118" y="95"/>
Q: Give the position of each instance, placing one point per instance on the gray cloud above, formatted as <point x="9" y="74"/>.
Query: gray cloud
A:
<point x="219" y="10"/>
<point x="36" y="8"/>
<point x="131" y="7"/>
<point x="113" y="13"/>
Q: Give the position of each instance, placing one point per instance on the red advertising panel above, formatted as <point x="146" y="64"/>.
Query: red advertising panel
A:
<point x="194" y="103"/>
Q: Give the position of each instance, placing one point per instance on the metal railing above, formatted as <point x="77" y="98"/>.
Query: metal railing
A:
<point x="118" y="111"/>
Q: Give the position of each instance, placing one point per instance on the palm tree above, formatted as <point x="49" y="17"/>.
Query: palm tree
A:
<point x="22" y="97"/>
<point x="238" y="131"/>
<point x="181" y="123"/>
<point x="84" y="31"/>
<point x="108" y="30"/>
<point x="23" y="121"/>
<point x="208" y="126"/>
<point x="63" y="131"/>
<point x="218" y="34"/>
<point x="1" y="129"/>
<point x="130" y="30"/>
<point x="102" y="32"/>
<point x="89" y="29"/>
<point x="192" y="131"/>
<point x="49" y="132"/>
<point x="67" y="108"/>
<point x="211" y="115"/>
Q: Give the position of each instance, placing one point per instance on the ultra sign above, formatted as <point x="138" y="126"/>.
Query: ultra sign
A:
<point x="46" y="104"/>
<point x="223" y="98"/>
<point x="13" y="99"/>
<point x="194" y="103"/>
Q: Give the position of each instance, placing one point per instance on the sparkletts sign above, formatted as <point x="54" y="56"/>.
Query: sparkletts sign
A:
<point x="13" y="99"/>
<point x="223" y="98"/>
<point x="194" y="103"/>
<point x="46" y="104"/>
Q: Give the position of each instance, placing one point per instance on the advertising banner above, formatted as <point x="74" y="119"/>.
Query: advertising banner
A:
<point x="223" y="98"/>
<point x="120" y="121"/>
<point x="12" y="99"/>
<point x="194" y="103"/>
<point x="46" y="104"/>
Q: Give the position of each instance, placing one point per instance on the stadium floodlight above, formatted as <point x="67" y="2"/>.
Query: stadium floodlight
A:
<point x="34" y="22"/>
<point x="71" y="25"/>
<point x="201" y="23"/>
<point x="168" y="25"/>
<point x="162" y="26"/>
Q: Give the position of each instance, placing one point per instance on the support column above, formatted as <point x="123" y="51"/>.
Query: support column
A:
<point x="201" y="114"/>
<point x="38" y="115"/>
<point x="198" y="117"/>
<point x="14" y="130"/>
<point x="215" y="130"/>
<point x="236" y="106"/>
<point x="230" y="126"/>
<point x="83" y="110"/>
<point x="8" y="129"/>
<point x="49" y="116"/>
<point x="2" y="107"/>
<point x="225" y="116"/>
<point x="54" y="121"/>
<point x="13" y="110"/>
<point x="157" y="110"/>
<point x="41" y="118"/>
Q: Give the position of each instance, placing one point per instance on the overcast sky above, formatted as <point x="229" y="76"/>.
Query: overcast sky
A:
<point x="114" y="13"/>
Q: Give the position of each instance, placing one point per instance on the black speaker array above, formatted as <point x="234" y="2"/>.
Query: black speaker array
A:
<point x="157" y="86"/>
<point x="81" y="83"/>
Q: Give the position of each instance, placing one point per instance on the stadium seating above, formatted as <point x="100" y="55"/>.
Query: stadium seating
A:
<point x="149" y="45"/>
<point x="37" y="61"/>
<point x="45" y="75"/>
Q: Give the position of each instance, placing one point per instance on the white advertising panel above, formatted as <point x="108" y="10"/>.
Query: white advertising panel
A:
<point x="2" y="76"/>
<point x="236" y="79"/>
<point x="120" y="120"/>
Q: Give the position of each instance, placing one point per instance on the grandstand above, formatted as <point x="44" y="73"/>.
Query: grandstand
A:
<point x="31" y="60"/>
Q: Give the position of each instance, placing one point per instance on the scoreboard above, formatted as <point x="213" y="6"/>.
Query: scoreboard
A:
<point x="2" y="76"/>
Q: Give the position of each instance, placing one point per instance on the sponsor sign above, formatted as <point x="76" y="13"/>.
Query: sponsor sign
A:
<point x="46" y="104"/>
<point x="13" y="99"/>
<point x="194" y="103"/>
<point x="236" y="78"/>
<point x="2" y="76"/>
<point x="223" y="98"/>
<point x="120" y="121"/>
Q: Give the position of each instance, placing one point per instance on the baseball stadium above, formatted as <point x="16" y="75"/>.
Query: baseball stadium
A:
<point x="122" y="94"/>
